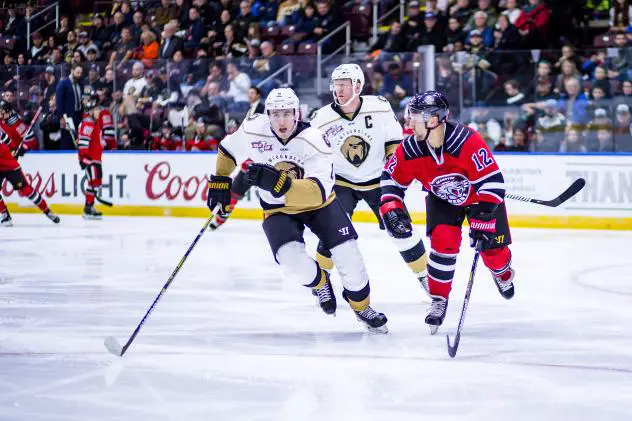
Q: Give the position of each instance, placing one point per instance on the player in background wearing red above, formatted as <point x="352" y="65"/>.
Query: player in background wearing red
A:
<point x="12" y="131"/>
<point x="91" y="151"/>
<point x="462" y="179"/>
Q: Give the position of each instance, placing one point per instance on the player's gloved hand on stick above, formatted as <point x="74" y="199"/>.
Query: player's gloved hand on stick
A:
<point x="219" y="193"/>
<point x="22" y="150"/>
<point x="482" y="224"/>
<point x="268" y="178"/>
<point x="84" y="163"/>
<point x="396" y="219"/>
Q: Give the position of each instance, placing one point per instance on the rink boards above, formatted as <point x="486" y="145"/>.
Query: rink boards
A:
<point x="173" y="184"/>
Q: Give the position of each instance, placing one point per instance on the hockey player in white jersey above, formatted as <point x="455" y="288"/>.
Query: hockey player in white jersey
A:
<point x="292" y="168"/>
<point x="363" y="131"/>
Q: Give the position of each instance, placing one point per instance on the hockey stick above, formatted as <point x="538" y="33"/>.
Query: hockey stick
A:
<point x="103" y="201"/>
<point x="453" y="348"/>
<point x="72" y="130"/>
<point x="571" y="191"/>
<point x="33" y="121"/>
<point x="111" y="343"/>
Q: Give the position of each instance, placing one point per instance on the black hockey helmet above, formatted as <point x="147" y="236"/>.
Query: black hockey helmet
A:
<point x="5" y="106"/>
<point x="89" y="98"/>
<point x="429" y="104"/>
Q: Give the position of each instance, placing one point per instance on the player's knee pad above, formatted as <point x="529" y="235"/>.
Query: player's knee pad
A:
<point x="26" y="191"/>
<point x="350" y="265"/>
<point x="413" y="251"/>
<point x="446" y="239"/>
<point x="497" y="260"/>
<point x="297" y="264"/>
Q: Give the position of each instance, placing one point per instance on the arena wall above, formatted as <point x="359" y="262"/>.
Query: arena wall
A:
<point x="173" y="184"/>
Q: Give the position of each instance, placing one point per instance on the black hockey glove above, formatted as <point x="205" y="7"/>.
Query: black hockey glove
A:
<point x="482" y="218"/>
<point x="396" y="219"/>
<point x="21" y="151"/>
<point x="219" y="193"/>
<point x="268" y="178"/>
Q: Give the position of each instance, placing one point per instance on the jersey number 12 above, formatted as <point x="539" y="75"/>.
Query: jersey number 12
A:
<point x="483" y="154"/>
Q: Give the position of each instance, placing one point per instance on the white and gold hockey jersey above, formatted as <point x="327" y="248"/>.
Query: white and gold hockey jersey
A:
<point x="305" y="156"/>
<point x="360" y="142"/>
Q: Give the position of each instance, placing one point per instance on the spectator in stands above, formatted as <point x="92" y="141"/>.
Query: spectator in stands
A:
<point x="482" y="28"/>
<point x="431" y="34"/>
<point x="461" y="11"/>
<point x="202" y="141"/>
<point x="623" y="128"/>
<point x="621" y="65"/>
<point x="552" y="125"/>
<point x="68" y="96"/>
<point x="138" y="19"/>
<point x="50" y="125"/>
<point x="94" y="76"/>
<point x="454" y="34"/>
<point x="165" y="12"/>
<point x="9" y="96"/>
<point x="568" y="54"/>
<point x="448" y="82"/>
<point x="196" y="29"/>
<point x="569" y="72"/>
<point x="573" y="140"/>
<point x="239" y="83"/>
<point x="626" y="93"/>
<point x="574" y="102"/>
<point x="620" y="14"/>
<point x="123" y="50"/>
<point x="519" y="140"/>
<point x="62" y="30"/>
<point x="50" y="81"/>
<point x="232" y="47"/>
<point x="327" y="20"/>
<point x="13" y="23"/>
<point x="599" y="59"/>
<point x="215" y="33"/>
<point x="137" y="83"/>
<point x="506" y="35"/>
<point x="71" y="46"/>
<point x="149" y="50"/>
<point x="491" y="16"/>
<point x="100" y="34"/>
<point x="535" y="16"/>
<point x="285" y="11"/>
<point x="512" y="11"/>
<point x="244" y="20"/>
<point x="415" y="21"/>
<point x="254" y="98"/>
<point x="397" y="85"/>
<point x="85" y="44"/>
<point x="305" y="23"/>
<point x="170" y="42"/>
<point x="268" y="63"/>
<point x="393" y="41"/>
<point x="38" y="50"/>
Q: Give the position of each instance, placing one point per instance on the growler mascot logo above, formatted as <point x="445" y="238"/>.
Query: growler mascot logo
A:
<point x="355" y="150"/>
<point x="453" y="188"/>
<point x="292" y="170"/>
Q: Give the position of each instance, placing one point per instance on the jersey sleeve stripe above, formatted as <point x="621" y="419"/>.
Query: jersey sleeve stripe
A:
<point x="406" y="146"/>
<point x="228" y="154"/>
<point x="489" y="193"/>
<point x="486" y="176"/>
<point x="458" y="140"/>
<point x="387" y="196"/>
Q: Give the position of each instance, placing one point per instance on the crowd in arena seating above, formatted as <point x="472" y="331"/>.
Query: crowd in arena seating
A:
<point x="181" y="74"/>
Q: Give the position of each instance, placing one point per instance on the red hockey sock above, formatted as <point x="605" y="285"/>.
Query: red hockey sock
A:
<point x="444" y="242"/>
<point x="34" y="196"/>
<point x="89" y="198"/>
<point x="3" y="207"/>
<point x="497" y="260"/>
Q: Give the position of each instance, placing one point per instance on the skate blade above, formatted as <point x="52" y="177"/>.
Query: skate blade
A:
<point x="433" y="329"/>
<point x="6" y="224"/>
<point x="92" y="218"/>
<point x="382" y="330"/>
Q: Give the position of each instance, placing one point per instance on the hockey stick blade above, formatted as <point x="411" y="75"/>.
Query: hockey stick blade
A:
<point x="571" y="191"/>
<point x="113" y="346"/>
<point x="452" y="349"/>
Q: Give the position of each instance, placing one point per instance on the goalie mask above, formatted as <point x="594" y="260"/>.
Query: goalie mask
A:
<point x="279" y="100"/>
<point x="354" y="73"/>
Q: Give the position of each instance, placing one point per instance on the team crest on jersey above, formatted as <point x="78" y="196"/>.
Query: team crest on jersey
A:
<point x="331" y="132"/>
<point x="21" y="129"/>
<point x="453" y="188"/>
<point x="261" y="145"/>
<point x="355" y="150"/>
<point x="292" y="170"/>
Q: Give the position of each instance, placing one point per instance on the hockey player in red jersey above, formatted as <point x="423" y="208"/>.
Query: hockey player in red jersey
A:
<point x="12" y="130"/>
<point x="463" y="180"/>
<point x="105" y="127"/>
<point x="90" y="152"/>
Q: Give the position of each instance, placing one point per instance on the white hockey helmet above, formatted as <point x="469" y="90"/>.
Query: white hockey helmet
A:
<point x="283" y="99"/>
<point x="349" y="71"/>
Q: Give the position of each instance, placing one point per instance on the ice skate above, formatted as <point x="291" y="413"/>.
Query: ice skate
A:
<point x="437" y="312"/>
<point x="375" y="322"/>
<point x="90" y="212"/>
<point x="326" y="297"/>
<point x="423" y="281"/>
<point x="5" y="220"/>
<point x="504" y="283"/>
<point x="50" y="215"/>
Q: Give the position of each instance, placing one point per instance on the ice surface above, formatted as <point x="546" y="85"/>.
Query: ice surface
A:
<point x="232" y="340"/>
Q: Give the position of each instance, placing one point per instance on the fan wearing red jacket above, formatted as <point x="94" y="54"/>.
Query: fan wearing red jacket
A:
<point x="463" y="180"/>
<point x="12" y="129"/>
<point x="202" y="141"/>
<point x="90" y="151"/>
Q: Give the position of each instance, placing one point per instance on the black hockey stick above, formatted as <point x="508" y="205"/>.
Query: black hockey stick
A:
<point x="571" y="191"/>
<point x="103" y="201"/>
<point x="111" y="343"/>
<point x="453" y="348"/>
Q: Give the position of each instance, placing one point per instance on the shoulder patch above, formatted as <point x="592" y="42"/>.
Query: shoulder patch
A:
<point x="253" y="117"/>
<point x="381" y="98"/>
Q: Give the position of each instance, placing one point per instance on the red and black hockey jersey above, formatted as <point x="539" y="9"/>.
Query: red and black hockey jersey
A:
<point x="15" y="129"/>
<point x="461" y="172"/>
<point x="89" y="142"/>
<point x="105" y="126"/>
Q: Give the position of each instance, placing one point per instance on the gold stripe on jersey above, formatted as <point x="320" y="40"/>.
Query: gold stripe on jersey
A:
<point x="224" y="164"/>
<point x="294" y="210"/>
<point x="304" y="193"/>
<point x="363" y="186"/>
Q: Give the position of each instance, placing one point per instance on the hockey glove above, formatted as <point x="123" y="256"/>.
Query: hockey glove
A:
<point x="268" y="178"/>
<point x="219" y="193"/>
<point x="21" y="151"/>
<point x="396" y="219"/>
<point x="482" y="224"/>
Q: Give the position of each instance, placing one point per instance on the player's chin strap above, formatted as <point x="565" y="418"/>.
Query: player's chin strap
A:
<point x="438" y="159"/>
<point x="354" y="96"/>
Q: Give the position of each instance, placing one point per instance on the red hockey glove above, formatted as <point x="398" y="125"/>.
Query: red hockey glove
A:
<point x="396" y="219"/>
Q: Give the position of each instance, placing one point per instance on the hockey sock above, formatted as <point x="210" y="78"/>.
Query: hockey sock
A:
<point x="445" y="242"/>
<point x="497" y="260"/>
<point x="90" y="194"/>
<point x="34" y="197"/>
<point x="413" y="252"/>
<point x="3" y="207"/>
